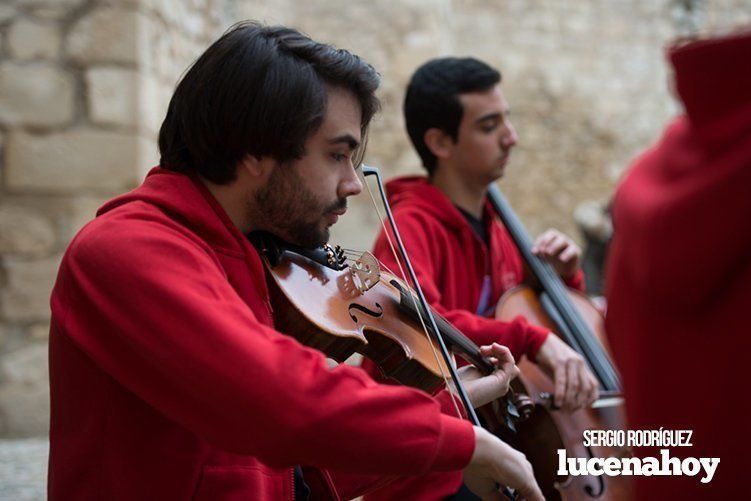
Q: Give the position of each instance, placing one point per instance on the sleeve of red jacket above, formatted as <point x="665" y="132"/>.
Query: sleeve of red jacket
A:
<point x="153" y="308"/>
<point x="349" y="485"/>
<point x="416" y="229"/>
<point x="576" y="281"/>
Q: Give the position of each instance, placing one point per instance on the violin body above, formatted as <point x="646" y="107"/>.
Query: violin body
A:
<point x="545" y="431"/>
<point x="323" y="308"/>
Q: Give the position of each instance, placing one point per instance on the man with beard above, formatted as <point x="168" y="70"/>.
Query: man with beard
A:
<point x="458" y="121"/>
<point x="168" y="379"/>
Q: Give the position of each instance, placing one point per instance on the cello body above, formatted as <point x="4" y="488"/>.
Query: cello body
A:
<point x="546" y="431"/>
<point x="571" y="316"/>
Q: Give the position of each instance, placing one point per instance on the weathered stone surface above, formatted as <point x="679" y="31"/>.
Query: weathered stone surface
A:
<point x="35" y="94"/>
<point x="82" y="210"/>
<point x="25" y="365"/>
<point x="5" y="333"/>
<point x="127" y="97"/>
<point x="12" y="337"/>
<point x="154" y="98"/>
<point x="24" y="231"/>
<point x="70" y="161"/>
<point x="107" y="34"/>
<point x="113" y="95"/>
<point x="63" y="4"/>
<point x="23" y="468"/>
<point x="28" y="39"/>
<point x="24" y="409"/>
<point x="26" y="294"/>
<point x="51" y="9"/>
<point x="7" y="12"/>
<point x="39" y="332"/>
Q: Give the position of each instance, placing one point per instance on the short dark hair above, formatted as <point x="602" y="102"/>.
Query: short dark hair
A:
<point x="258" y="90"/>
<point x="432" y="99"/>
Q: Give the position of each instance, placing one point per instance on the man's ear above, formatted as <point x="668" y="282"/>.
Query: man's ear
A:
<point x="257" y="167"/>
<point x="438" y="142"/>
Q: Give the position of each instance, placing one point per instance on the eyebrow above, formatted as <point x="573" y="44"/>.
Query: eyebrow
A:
<point x="349" y="139"/>
<point x="487" y="117"/>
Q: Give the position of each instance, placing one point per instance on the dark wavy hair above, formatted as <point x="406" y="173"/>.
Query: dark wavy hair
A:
<point x="258" y="90"/>
<point x="432" y="99"/>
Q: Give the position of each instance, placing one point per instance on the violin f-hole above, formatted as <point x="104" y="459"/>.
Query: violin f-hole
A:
<point x="367" y="311"/>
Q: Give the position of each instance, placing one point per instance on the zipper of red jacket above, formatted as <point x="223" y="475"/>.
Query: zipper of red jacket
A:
<point x="292" y="492"/>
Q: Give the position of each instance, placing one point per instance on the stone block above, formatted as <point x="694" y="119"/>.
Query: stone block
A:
<point x="69" y="161"/>
<point x="35" y="94"/>
<point x="119" y="96"/>
<point x="29" y="39"/>
<point x="26" y="294"/>
<point x="24" y="231"/>
<point x="112" y="94"/>
<point x="106" y="34"/>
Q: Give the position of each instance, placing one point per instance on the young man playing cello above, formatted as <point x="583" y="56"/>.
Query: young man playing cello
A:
<point x="168" y="379"/>
<point x="458" y="121"/>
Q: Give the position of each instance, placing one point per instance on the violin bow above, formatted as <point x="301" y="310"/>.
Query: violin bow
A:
<point x="373" y="171"/>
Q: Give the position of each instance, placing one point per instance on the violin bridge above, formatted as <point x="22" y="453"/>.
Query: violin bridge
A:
<point x="365" y="272"/>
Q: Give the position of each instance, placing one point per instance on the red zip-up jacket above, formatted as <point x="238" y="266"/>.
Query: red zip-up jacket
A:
<point x="451" y="263"/>
<point x="168" y="380"/>
<point x="679" y="276"/>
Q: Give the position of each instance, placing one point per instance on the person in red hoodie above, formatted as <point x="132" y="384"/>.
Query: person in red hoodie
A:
<point x="679" y="275"/>
<point x="458" y="121"/>
<point x="167" y="377"/>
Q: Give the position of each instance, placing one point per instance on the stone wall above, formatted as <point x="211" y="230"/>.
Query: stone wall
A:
<point x="586" y="81"/>
<point x="84" y="85"/>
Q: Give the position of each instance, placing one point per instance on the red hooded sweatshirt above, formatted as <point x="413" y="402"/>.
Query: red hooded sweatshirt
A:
<point x="679" y="277"/>
<point x="168" y="380"/>
<point x="451" y="263"/>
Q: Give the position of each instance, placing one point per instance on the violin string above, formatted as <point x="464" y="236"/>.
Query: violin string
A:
<point x="452" y="395"/>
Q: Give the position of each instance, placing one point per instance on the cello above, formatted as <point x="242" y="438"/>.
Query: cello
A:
<point x="570" y="315"/>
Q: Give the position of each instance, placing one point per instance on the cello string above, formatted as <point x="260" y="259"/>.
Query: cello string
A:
<point x="574" y="326"/>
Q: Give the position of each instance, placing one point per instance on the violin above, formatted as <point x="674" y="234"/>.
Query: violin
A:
<point x="575" y="319"/>
<point x="341" y="308"/>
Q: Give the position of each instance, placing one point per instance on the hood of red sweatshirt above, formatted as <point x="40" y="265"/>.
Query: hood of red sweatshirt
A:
<point x="713" y="76"/>
<point x="185" y="198"/>
<point x="684" y="203"/>
<point x="415" y="192"/>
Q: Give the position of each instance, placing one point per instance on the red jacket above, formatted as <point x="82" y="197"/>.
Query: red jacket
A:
<point x="451" y="261"/>
<point x="168" y="380"/>
<point x="679" y="277"/>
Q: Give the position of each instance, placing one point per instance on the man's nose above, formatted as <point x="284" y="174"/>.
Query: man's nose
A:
<point x="509" y="137"/>
<point x="350" y="185"/>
